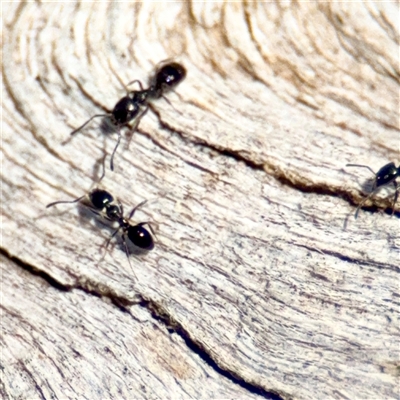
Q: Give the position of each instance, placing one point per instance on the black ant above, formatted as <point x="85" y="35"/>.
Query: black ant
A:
<point x="386" y="175"/>
<point x="136" y="103"/>
<point x="102" y="202"/>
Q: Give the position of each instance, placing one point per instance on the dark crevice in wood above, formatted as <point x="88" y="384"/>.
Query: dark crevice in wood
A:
<point x="159" y="314"/>
<point x="35" y="271"/>
<point x="173" y="326"/>
<point x="304" y="187"/>
<point x="352" y="260"/>
<point x="37" y="386"/>
<point x="176" y="154"/>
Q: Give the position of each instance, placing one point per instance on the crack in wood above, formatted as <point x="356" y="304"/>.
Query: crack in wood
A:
<point x="159" y="314"/>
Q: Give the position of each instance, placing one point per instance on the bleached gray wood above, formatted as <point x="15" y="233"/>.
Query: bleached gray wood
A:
<point x="259" y="260"/>
<point x="71" y="344"/>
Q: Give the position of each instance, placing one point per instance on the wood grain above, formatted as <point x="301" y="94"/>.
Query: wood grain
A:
<point x="262" y="284"/>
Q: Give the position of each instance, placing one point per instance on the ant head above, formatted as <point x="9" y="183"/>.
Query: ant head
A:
<point x="100" y="198"/>
<point x="387" y="174"/>
<point x="168" y="76"/>
<point x="125" y="110"/>
<point x="140" y="237"/>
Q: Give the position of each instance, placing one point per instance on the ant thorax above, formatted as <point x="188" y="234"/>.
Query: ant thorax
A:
<point x="130" y="107"/>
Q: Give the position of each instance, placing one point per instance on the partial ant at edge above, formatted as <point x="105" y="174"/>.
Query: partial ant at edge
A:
<point x="136" y="103"/>
<point x="385" y="176"/>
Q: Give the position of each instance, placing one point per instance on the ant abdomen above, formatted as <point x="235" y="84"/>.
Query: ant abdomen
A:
<point x="140" y="237"/>
<point x="167" y="77"/>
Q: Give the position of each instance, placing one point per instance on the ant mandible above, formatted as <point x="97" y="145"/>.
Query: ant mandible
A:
<point x="103" y="203"/>
<point x="136" y="103"/>
<point x="385" y="176"/>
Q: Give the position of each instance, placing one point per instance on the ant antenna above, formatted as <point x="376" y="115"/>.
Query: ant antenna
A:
<point x="65" y="201"/>
<point x="103" y="174"/>
<point x="82" y="197"/>
<point x="82" y="126"/>
<point x="361" y="166"/>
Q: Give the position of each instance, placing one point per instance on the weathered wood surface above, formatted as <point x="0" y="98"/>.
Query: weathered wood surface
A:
<point x="68" y="344"/>
<point x="261" y="283"/>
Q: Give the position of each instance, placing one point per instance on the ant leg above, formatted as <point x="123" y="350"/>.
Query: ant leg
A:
<point x="166" y="99"/>
<point x="396" y="196"/>
<point x="135" y="208"/>
<point x="127" y="254"/>
<point x="132" y="82"/>
<point x="107" y="242"/>
<point x="361" y="166"/>
<point x="364" y="200"/>
<point x="65" y="201"/>
<point x="82" y="126"/>
<point x="133" y="129"/>
<point x="115" y="149"/>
